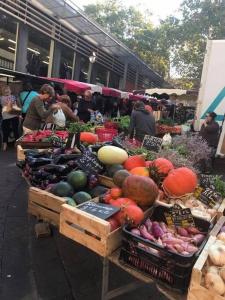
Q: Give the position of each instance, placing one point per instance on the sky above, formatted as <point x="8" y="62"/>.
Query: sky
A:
<point x="159" y="8"/>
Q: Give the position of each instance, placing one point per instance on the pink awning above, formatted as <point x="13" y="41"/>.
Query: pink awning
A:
<point x="136" y="97"/>
<point x="106" y="91"/>
<point x="72" y="85"/>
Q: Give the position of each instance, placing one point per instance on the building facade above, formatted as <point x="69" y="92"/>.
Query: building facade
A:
<point x="54" y="38"/>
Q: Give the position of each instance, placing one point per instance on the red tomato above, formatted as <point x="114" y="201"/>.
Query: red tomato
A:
<point x="106" y="198"/>
<point x="131" y="214"/>
<point x="148" y="163"/>
<point x="115" y="192"/>
<point x="120" y="202"/>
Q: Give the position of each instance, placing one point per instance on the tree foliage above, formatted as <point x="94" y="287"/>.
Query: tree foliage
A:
<point x="177" y="43"/>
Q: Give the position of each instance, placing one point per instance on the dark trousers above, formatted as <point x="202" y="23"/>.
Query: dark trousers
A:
<point x="7" y="126"/>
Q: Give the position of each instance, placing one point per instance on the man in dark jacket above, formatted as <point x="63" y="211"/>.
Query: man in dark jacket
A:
<point x="142" y="122"/>
<point x="85" y="107"/>
<point x="210" y="133"/>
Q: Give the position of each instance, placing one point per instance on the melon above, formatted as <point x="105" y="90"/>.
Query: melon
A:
<point x="111" y="155"/>
<point x="120" y="176"/>
<point x="62" y="189"/>
<point x="111" y="170"/>
<point x="77" y="179"/>
<point x="81" y="197"/>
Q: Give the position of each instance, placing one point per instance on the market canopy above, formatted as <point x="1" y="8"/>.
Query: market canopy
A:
<point x="136" y="97"/>
<point x="178" y="92"/>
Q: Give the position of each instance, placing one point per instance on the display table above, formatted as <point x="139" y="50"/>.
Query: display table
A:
<point x="140" y="280"/>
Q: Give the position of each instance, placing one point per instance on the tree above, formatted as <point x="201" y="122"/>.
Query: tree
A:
<point x="134" y="29"/>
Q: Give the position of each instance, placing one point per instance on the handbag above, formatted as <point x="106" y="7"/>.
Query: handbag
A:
<point x="12" y="109"/>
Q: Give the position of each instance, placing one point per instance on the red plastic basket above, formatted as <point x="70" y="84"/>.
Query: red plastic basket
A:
<point x="106" y="134"/>
<point x="110" y="125"/>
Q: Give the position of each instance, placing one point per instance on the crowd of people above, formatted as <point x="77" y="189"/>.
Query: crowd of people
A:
<point x="31" y="111"/>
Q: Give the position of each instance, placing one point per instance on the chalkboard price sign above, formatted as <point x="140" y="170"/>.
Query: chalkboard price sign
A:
<point x="180" y="217"/>
<point x="210" y="198"/>
<point x="207" y="181"/>
<point x="152" y="143"/>
<point x="89" y="163"/>
<point x="100" y="210"/>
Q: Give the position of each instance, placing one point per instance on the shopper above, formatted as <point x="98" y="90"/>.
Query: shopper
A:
<point x="180" y="114"/>
<point x="142" y="122"/>
<point x="210" y="133"/>
<point x="36" y="113"/>
<point x="26" y="97"/>
<point x="85" y="107"/>
<point x="10" y="121"/>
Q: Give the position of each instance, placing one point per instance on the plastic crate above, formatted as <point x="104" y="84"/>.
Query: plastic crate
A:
<point x="111" y="125"/>
<point x="154" y="260"/>
<point x="106" y="134"/>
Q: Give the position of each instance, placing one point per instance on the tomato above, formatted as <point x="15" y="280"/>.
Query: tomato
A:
<point x="106" y="198"/>
<point x="115" y="192"/>
<point x="148" y="163"/>
<point x="114" y="224"/>
<point x="131" y="214"/>
<point x="120" y="202"/>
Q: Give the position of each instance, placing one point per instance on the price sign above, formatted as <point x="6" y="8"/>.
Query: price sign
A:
<point x="100" y="210"/>
<point x="207" y="181"/>
<point x="180" y="217"/>
<point x="152" y="143"/>
<point x="89" y="163"/>
<point x="209" y="197"/>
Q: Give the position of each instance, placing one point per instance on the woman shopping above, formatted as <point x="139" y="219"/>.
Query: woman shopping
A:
<point x="10" y="120"/>
<point x="37" y="114"/>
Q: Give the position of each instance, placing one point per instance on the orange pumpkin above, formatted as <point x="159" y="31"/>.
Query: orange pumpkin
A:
<point x="180" y="182"/>
<point x="141" y="171"/>
<point x="133" y="162"/>
<point x="142" y="190"/>
<point x="88" y="137"/>
<point x="163" y="166"/>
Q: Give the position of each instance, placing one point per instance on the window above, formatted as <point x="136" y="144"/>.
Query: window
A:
<point x="114" y="80"/>
<point x="66" y="63"/>
<point x="8" y="28"/>
<point x="37" y="53"/>
<point x="101" y="75"/>
<point x="84" y="65"/>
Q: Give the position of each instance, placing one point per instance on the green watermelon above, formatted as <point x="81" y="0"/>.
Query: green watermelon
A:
<point x="77" y="179"/>
<point x="111" y="170"/>
<point x="62" y="189"/>
<point x="70" y="201"/>
<point x="81" y="197"/>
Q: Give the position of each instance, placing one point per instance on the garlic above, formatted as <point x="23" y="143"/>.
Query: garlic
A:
<point x="221" y="236"/>
<point x="222" y="273"/>
<point x="213" y="269"/>
<point x="217" y="254"/>
<point x="214" y="283"/>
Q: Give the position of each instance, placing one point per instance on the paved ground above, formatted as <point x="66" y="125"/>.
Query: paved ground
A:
<point x="53" y="268"/>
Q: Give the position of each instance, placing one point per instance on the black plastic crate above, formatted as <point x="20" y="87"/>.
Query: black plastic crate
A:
<point x="157" y="214"/>
<point x="160" y="273"/>
<point x="154" y="260"/>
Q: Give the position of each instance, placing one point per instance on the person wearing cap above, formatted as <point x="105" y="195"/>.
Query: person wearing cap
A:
<point x="210" y="133"/>
<point x="142" y="122"/>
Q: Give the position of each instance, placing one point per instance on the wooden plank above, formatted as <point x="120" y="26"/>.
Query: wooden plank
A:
<point x="217" y="227"/>
<point x="20" y="153"/>
<point x="114" y="241"/>
<point x="90" y="223"/>
<point x="221" y="209"/>
<point x="106" y="181"/>
<point x="46" y="199"/>
<point x="43" y="214"/>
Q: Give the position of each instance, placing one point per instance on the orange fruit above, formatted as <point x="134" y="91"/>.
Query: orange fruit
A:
<point x="115" y="192"/>
<point x="140" y="171"/>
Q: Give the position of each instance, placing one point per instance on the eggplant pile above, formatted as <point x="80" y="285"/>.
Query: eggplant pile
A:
<point x="184" y="241"/>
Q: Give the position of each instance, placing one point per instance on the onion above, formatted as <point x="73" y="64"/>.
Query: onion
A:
<point x="214" y="283"/>
<point x="222" y="229"/>
<point x="217" y="254"/>
<point x="213" y="269"/>
<point x="221" y="236"/>
<point x="222" y="273"/>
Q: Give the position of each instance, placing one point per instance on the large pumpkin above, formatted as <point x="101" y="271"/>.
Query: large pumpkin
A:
<point x="179" y="182"/>
<point x="111" y="155"/>
<point x="142" y="190"/>
<point x="134" y="162"/>
<point x="162" y="165"/>
<point x="88" y="137"/>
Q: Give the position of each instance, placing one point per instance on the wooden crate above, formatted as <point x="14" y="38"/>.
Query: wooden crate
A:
<point x="106" y="181"/>
<point x="197" y="290"/>
<point x="45" y="206"/>
<point x="88" y="230"/>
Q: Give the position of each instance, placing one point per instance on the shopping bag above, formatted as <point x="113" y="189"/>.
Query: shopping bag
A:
<point x="59" y="118"/>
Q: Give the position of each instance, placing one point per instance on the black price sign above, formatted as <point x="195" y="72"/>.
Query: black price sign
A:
<point x="152" y="143"/>
<point x="100" y="210"/>
<point x="207" y="181"/>
<point x="89" y="163"/>
<point x="180" y="217"/>
<point x="210" y="198"/>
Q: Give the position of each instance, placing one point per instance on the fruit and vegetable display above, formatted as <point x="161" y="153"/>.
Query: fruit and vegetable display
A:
<point x="44" y="136"/>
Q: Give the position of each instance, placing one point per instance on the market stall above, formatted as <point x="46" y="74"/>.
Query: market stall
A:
<point x="146" y="209"/>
